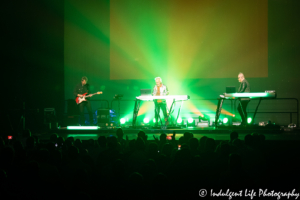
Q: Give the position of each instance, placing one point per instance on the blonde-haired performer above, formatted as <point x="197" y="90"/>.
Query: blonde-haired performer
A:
<point x="160" y="90"/>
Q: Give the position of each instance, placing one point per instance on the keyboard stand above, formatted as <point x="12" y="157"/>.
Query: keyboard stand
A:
<point x="137" y="107"/>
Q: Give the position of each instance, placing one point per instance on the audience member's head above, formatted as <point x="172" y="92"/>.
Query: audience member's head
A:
<point x="258" y="139"/>
<point x="60" y="140"/>
<point x="187" y="136"/>
<point x="53" y="138"/>
<point x="120" y="133"/>
<point x="210" y="145"/>
<point x="163" y="138"/>
<point x="181" y="140"/>
<point x="142" y="135"/>
<point x="68" y="143"/>
<point x="78" y="143"/>
<point x="102" y="141"/>
<point x="249" y="140"/>
<point x="202" y="142"/>
<point x="71" y="139"/>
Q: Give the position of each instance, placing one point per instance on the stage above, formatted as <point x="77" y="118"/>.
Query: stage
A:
<point x="219" y="133"/>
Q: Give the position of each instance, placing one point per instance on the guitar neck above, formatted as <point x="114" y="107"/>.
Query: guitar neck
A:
<point x="91" y="94"/>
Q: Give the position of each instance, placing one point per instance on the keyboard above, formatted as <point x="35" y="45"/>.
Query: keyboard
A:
<point x="250" y="95"/>
<point x="176" y="97"/>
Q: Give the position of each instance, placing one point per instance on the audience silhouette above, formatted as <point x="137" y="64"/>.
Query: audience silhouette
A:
<point x="113" y="167"/>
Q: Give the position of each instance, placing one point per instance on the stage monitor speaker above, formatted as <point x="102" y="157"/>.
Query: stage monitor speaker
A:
<point x="49" y="115"/>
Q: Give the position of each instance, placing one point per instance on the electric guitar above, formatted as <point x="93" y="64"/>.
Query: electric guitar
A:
<point x="81" y="99"/>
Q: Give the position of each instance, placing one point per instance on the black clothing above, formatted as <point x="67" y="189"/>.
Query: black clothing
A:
<point x="242" y="110"/>
<point x="244" y="87"/>
<point x="88" y="106"/>
<point x="81" y="89"/>
<point x="163" y="107"/>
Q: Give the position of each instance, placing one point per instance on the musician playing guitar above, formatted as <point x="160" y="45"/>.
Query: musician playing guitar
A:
<point x="81" y="91"/>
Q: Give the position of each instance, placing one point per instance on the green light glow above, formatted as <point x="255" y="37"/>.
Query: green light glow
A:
<point x="82" y="135"/>
<point x="179" y="120"/>
<point x="154" y="120"/>
<point x="146" y="120"/>
<point x="190" y="120"/>
<point x="83" y="127"/>
<point x="249" y="120"/>
<point x="251" y="95"/>
<point x="225" y="120"/>
<point x="122" y="121"/>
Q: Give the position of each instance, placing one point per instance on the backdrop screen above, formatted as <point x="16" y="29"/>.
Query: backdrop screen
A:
<point x="188" y="39"/>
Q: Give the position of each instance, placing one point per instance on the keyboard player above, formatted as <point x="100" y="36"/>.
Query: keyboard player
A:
<point x="244" y="87"/>
<point x="160" y="90"/>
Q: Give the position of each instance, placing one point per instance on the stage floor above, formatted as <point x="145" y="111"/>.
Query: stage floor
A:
<point x="220" y="133"/>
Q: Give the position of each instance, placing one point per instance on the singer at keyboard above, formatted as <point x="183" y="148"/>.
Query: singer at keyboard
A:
<point x="160" y="90"/>
<point x="174" y="98"/>
<point x="244" y="87"/>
